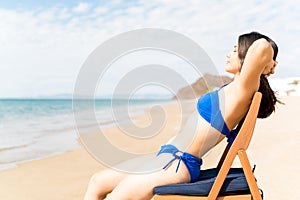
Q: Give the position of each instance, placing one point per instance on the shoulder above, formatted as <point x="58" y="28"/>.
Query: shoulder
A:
<point x="235" y="92"/>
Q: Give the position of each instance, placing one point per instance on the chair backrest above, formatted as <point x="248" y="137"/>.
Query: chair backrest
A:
<point x="241" y="142"/>
<point x="245" y="134"/>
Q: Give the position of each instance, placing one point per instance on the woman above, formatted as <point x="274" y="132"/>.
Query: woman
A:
<point x="251" y="61"/>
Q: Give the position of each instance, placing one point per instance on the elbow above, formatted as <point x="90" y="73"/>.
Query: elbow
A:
<point x="264" y="51"/>
<point x="264" y="46"/>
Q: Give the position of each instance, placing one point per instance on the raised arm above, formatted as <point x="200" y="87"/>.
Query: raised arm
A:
<point x="258" y="58"/>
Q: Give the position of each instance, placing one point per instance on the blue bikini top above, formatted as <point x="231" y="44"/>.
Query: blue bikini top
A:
<point x="209" y="108"/>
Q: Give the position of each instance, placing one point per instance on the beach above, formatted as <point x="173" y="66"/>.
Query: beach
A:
<point x="274" y="149"/>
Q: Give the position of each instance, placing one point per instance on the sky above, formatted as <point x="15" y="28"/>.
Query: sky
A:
<point x="43" y="44"/>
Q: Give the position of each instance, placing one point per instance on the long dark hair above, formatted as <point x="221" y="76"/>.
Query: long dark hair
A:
<point x="268" y="101"/>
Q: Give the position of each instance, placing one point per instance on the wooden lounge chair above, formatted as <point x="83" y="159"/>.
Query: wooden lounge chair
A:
<point x="238" y="148"/>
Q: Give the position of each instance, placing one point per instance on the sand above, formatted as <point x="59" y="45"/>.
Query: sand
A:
<point x="274" y="149"/>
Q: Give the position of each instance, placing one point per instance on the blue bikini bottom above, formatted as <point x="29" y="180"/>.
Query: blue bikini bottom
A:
<point x="192" y="162"/>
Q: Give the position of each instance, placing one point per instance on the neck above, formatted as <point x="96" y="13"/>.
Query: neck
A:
<point x="236" y="76"/>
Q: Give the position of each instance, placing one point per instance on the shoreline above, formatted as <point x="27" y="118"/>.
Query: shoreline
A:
<point x="48" y="140"/>
<point x="273" y="149"/>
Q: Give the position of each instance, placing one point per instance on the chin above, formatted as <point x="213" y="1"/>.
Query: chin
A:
<point x="227" y="69"/>
<point x="230" y="70"/>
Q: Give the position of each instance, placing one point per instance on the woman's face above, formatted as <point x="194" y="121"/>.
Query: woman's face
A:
<point x="233" y="64"/>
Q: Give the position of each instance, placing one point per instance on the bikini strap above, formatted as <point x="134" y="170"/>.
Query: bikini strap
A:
<point x="177" y="154"/>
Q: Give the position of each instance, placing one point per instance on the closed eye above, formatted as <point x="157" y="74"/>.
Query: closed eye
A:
<point x="234" y="48"/>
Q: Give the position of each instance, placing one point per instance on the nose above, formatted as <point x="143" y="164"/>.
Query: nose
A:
<point x="228" y="55"/>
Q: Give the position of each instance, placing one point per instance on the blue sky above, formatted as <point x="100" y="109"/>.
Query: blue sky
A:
<point x="44" y="43"/>
<point x="30" y="4"/>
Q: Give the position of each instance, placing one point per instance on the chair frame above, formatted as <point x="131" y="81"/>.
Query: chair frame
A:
<point x="238" y="148"/>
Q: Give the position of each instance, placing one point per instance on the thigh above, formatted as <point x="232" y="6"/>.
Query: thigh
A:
<point x="140" y="186"/>
<point x="106" y="180"/>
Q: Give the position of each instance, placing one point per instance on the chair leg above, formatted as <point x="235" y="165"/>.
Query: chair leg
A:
<point x="249" y="175"/>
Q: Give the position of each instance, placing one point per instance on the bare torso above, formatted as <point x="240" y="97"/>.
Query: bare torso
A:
<point x="234" y="105"/>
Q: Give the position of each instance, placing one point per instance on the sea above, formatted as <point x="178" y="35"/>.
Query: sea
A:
<point x="32" y="129"/>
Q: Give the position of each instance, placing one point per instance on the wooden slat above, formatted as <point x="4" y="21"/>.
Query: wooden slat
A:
<point x="249" y="175"/>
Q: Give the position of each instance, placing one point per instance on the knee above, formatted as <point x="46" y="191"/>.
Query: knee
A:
<point x="96" y="185"/>
<point x="97" y="179"/>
